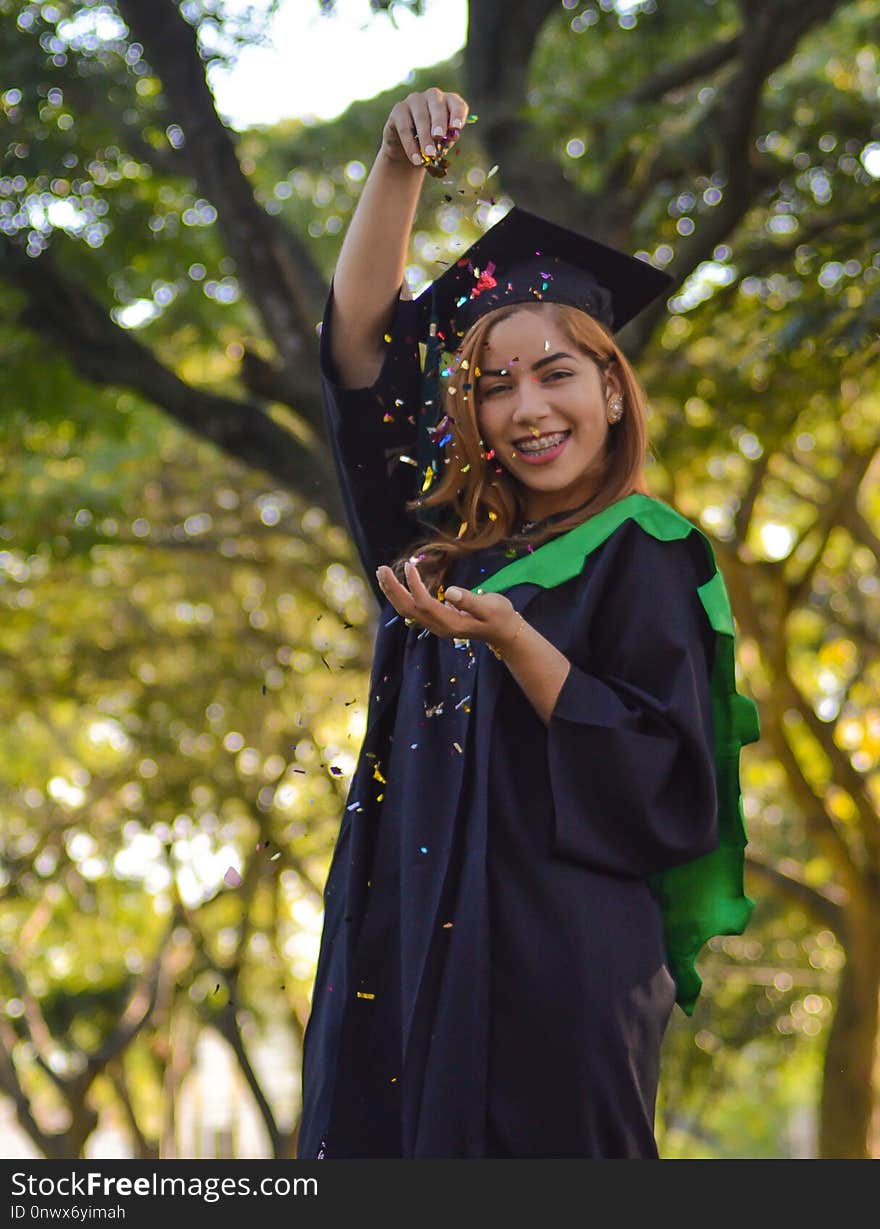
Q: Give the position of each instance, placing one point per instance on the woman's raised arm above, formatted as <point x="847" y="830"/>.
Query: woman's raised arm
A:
<point x="370" y="271"/>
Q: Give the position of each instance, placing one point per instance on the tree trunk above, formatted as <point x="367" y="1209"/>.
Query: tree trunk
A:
<point x="847" y="1091"/>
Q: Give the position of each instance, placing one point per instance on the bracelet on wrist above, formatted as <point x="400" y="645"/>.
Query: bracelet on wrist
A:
<point x="515" y="634"/>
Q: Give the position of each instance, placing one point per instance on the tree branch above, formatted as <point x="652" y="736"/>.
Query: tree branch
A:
<point x="726" y="129"/>
<point x="228" y="1026"/>
<point x="681" y="73"/>
<point x="11" y="1086"/>
<point x="144" y="1148"/>
<point x="282" y="280"/>
<point x="70" y="317"/>
<point x="826" y="905"/>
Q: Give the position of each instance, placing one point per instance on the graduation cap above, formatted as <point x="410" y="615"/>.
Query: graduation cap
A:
<point x="524" y="258"/>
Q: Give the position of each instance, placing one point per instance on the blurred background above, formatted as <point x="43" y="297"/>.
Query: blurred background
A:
<point x="185" y="632"/>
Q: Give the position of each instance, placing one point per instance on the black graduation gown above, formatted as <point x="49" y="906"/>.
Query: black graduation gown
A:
<point x="492" y="978"/>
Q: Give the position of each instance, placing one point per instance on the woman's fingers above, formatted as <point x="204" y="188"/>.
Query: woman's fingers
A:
<point x="458" y="111"/>
<point x="424" y="124"/>
<point x="421" y="124"/>
<point x="419" y="590"/>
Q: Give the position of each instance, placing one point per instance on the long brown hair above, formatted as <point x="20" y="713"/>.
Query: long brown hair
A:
<point x="476" y="487"/>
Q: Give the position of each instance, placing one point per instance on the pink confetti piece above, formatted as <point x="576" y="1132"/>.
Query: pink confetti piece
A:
<point x="232" y="878"/>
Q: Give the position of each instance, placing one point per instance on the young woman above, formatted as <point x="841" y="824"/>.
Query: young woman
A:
<point x="545" y="822"/>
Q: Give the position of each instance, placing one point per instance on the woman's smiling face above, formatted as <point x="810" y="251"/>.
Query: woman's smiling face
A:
<point x="533" y="381"/>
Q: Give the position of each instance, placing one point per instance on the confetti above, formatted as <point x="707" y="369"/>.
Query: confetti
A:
<point x="363" y="994"/>
<point x="233" y="878"/>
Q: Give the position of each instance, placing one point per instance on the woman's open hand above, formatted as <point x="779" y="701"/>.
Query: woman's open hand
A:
<point x="461" y="615"/>
<point x="424" y="123"/>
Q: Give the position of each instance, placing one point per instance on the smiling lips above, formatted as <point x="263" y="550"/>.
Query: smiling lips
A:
<point x="538" y="442"/>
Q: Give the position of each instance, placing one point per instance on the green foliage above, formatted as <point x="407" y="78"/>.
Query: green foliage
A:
<point x="184" y="653"/>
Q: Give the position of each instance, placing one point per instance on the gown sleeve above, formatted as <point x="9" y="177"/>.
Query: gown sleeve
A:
<point x="367" y="447"/>
<point x="630" y="738"/>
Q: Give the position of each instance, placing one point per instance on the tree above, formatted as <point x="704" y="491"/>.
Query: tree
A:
<point x="746" y="165"/>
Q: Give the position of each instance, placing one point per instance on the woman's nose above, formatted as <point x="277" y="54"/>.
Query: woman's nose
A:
<point x="529" y="401"/>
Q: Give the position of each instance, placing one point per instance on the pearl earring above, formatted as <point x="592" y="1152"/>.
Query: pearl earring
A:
<point x="616" y="407"/>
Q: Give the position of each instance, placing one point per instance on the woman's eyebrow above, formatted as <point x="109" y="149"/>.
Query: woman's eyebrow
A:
<point x="542" y="362"/>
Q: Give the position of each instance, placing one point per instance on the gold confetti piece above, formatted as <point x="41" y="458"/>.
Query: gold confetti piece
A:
<point x="362" y="994"/>
<point x="379" y="797"/>
<point x="429" y="478"/>
<point x="447" y="925"/>
<point x="394" y="1079"/>
<point x="377" y="776"/>
<point x="465" y="468"/>
<point x="476" y="373"/>
<point x="493" y="516"/>
<point x="387" y="336"/>
<point x="462" y="528"/>
<point x="458" y="748"/>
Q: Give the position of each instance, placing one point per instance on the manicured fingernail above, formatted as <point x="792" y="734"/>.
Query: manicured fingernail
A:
<point x="453" y="594"/>
<point x="457" y="123"/>
<point x="417" y="159"/>
<point x="436" y="131"/>
<point x="430" y="151"/>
